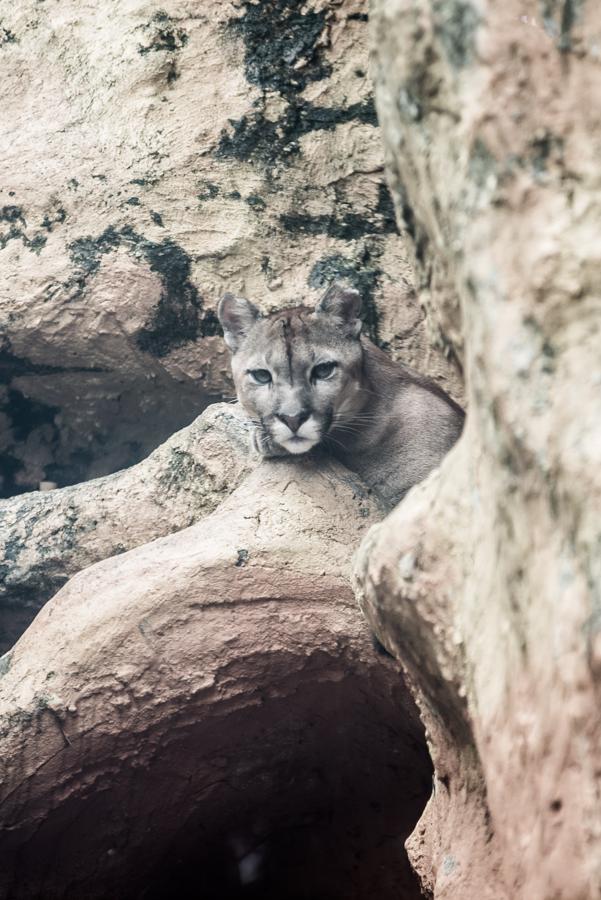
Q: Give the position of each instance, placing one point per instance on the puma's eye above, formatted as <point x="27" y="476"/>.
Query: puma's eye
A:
<point x="323" y="370"/>
<point x="260" y="376"/>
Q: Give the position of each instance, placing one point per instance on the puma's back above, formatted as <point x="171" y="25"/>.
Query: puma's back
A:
<point x="306" y="377"/>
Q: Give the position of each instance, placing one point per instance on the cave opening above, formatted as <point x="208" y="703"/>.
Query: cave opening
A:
<point x="61" y="428"/>
<point x="317" y="807"/>
<point x="308" y="795"/>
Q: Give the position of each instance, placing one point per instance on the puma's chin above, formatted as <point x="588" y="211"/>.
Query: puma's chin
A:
<point x="297" y="444"/>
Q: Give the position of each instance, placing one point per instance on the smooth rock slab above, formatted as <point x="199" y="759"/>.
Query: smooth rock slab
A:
<point x="46" y="537"/>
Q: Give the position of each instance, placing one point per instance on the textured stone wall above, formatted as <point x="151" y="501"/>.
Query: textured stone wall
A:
<point x="486" y="580"/>
<point x="154" y="155"/>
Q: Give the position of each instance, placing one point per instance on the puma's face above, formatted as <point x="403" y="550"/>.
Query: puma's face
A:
<point x="298" y="372"/>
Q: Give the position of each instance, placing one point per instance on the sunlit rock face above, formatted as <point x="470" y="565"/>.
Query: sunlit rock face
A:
<point x="154" y="157"/>
<point x="486" y="580"/>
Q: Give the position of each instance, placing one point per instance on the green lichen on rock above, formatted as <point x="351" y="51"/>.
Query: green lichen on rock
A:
<point x="456" y="22"/>
<point x="5" y="662"/>
<point x="12" y="214"/>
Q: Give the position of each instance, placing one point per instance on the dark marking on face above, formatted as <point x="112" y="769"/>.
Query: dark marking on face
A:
<point x="287" y="329"/>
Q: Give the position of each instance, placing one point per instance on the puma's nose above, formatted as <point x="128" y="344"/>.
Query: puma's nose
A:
<point x="294" y="422"/>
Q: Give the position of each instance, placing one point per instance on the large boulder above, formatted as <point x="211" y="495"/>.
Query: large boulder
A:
<point x="208" y="715"/>
<point x="157" y="156"/>
<point x="45" y="537"/>
<point x="485" y="582"/>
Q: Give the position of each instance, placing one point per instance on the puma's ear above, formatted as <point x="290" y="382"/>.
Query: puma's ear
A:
<point x="236" y="316"/>
<point x="344" y="303"/>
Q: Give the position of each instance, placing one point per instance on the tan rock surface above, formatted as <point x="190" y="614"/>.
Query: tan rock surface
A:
<point x="485" y="581"/>
<point x="153" y="155"/>
<point x="47" y="537"/>
<point x="213" y="691"/>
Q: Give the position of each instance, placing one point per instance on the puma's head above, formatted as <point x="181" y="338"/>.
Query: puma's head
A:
<point x="298" y="372"/>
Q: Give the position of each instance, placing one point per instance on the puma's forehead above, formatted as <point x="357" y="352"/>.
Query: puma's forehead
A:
<point x="290" y="336"/>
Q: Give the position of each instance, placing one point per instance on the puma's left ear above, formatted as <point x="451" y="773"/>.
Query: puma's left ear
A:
<point x="343" y="303"/>
<point x="236" y="316"/>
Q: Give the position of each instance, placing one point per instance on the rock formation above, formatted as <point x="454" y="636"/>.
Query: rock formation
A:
<point x="227" y="665"/>
<point x="158" y="156"/>
<point x="45" y="537"/>
<point x="485" y="581"/>
<point x="209" y="709"/>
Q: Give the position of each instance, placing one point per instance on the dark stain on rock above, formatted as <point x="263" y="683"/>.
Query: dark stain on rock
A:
<point x="208" y="191"/>
<point x="255" y="202"/>
<point x="256" y="137"/>
<point x="349" y="225"/>
<point x="209" y="325"/>
<point x="133" y="201"/>
<point x="7" y="37"/>
<point x="35" y="243"/>
<point x="242" y="558"/>
<point x="282" y="47"/>
<point x="284" y="52"/>
<point x="87" y="252"/>
<point x="361" y="273"/>
<point x="172" y="72"/>
<point x="545" y="148"/>
<point x="13" y="215"/>
<point x="166" y="36"/>
<point x="178" y="316"/>
<point x="559" y="18"/>
<point x="157" y="219"/>
<point x="58" y="217"/>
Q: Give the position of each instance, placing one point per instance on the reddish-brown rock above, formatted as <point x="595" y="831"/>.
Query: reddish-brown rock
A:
<point x="485" y="582"/>
<point x="209" y="706"/>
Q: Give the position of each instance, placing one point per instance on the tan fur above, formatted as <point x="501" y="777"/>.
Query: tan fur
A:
<point x="380" y="418"/>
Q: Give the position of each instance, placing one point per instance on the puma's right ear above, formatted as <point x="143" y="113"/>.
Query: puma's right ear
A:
<point x="236" y="316"/>
<point x="344" y="303"/>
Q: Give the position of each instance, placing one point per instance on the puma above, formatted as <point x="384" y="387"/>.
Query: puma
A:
<point x="308" y="378"/>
